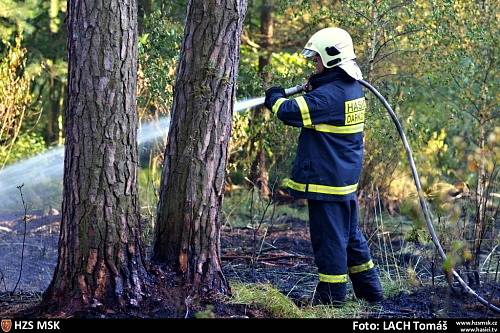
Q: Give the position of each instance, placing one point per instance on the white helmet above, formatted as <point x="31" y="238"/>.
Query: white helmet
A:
<point x="334" y="46"/>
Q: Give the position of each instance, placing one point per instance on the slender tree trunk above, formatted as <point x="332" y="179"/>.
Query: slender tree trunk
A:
<point x="53" y="113"/>
<point x="374" y="40"/>
<point x="144" y="8"/>
<point x="60" y="116"/>
<point x="56" y="107"/>
<point x="365" y="181"/>
<point x="480" y="198"/>
<point x="266" y="38"/>
<point x="187" y="235"/>
<point x="258" y="172"/>
<point x="99" y="247"/>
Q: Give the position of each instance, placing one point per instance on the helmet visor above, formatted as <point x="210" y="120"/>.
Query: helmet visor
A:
<point x="308" y="53"/>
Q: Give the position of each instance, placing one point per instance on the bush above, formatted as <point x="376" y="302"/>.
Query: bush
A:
<point x="26" y="145"/>
<point x="14" y="97"/>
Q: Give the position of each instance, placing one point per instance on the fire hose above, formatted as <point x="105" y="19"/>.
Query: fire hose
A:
<point x="416" y="179"/>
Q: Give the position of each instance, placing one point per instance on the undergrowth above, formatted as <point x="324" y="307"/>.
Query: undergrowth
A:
<point x="271" y="300"/>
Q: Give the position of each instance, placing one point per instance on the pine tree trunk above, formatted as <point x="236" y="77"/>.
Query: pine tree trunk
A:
<point x="192" y="186"/>
<point x="99" y="247"/>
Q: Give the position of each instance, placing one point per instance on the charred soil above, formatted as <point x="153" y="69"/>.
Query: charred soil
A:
<point x="279" y="255"/>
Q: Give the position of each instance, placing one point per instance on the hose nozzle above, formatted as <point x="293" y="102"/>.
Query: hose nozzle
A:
<point x="295" y="90"/>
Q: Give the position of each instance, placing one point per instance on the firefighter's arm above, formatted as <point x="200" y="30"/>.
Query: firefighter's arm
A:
<point x="286" y="109"/>
<point x="303" y="111"/>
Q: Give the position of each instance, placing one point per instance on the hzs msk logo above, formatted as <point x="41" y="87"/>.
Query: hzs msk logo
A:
<point x="6" y="325"/>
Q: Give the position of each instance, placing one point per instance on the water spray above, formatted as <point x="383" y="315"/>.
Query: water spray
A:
<point x="42" y="175"/>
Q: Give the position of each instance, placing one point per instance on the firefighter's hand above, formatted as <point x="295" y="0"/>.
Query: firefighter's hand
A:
<point x="272" y="94"/>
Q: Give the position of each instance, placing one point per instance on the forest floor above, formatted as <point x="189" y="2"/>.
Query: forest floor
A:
<point x="278" y="257"/>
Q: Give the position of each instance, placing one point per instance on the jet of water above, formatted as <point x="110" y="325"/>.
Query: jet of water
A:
<point x="253" y="102"/>
<point x="248" y="103"/>
<point x="42" y="175"/>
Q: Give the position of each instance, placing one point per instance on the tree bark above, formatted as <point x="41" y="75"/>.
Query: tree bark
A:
<point x="99" y="246"/>
<point x="187" y="235"/>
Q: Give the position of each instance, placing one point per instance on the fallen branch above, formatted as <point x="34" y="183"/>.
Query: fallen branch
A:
<point x="268" y="258"/>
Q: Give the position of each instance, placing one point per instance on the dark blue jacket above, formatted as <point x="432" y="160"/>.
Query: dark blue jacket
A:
<point x="330" y="149"/>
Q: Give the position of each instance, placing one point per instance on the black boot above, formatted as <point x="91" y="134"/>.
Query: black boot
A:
<point x="330" y="294"/>
<point x="367" y="286"/>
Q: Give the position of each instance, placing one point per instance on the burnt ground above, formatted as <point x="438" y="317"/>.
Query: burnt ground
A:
<point x="280" y="255"/>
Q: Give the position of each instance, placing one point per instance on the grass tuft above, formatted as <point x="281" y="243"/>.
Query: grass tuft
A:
<point x="271" y="300"/>
<point x="266" y="297"/>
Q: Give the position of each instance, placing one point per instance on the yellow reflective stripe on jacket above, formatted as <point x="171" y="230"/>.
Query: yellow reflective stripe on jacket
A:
<point x="338" y="129"/>
<point x="333" y="278"/>
<point x="277" y="104"/>
<point x="361" y="268"/>
<point x="324" y="189"/>
<point x="304" y="111"/>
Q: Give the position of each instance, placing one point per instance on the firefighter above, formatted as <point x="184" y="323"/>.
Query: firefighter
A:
<point x="328" y="164"/>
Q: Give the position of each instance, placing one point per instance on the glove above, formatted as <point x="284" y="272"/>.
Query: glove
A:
<point x="272" y="94"/>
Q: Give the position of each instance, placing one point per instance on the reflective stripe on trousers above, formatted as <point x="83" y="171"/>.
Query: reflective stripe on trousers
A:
<point x="333" y="278"/>
<point x="343" y="277"/>
<point x="361" y="268"/>
<point x="316" y="188"/>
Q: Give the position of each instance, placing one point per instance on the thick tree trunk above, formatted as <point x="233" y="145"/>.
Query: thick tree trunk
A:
<point x="99" y="246"/>
<point x="192" y="186"/>
<point x="258" y="172"/>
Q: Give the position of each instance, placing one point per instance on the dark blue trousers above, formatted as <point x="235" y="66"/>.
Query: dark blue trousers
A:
<point x="341" y="249"/>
